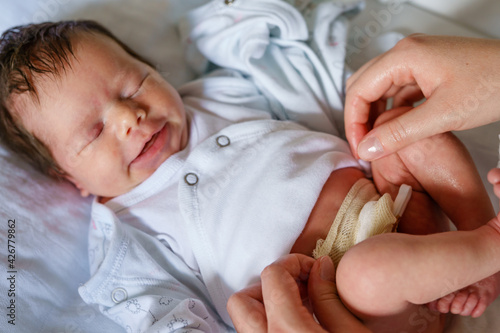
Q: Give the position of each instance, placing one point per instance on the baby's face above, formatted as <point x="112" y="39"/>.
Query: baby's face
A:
<point x="109" y="120"/>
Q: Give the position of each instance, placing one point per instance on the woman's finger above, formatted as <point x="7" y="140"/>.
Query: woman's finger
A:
<point x="246" y="310"/>
<point x="280" y="289"/>
<point x="327" y="306"/>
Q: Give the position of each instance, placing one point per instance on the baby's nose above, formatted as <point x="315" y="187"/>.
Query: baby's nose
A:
<point x="127" y="119"/>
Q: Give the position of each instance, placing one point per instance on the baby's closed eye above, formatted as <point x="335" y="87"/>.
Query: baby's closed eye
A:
<point x="97" y="130"/>
<point x="137" y="90"/>
<point x="93" y="134"/>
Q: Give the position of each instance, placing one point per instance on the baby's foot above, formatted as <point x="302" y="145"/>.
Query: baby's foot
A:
<point x="470" y="301"/>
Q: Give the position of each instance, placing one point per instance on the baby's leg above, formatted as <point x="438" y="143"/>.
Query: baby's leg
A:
<point x="383" y="279"/>
<point x="473" y="300"/>
<point x="444" y="176"/>
<point x="461" y="302"/>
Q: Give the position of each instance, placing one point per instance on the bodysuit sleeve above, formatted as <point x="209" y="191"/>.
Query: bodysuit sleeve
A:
<point x="136" y="281"/>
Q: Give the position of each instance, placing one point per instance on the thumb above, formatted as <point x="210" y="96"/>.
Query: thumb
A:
<point x="247" y="310"/>
<point x="327" y="306"/>
<point x="323" y="292"/>
<point x="399" y="131"/>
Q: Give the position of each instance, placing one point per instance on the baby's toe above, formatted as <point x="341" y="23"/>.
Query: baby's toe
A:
<point x="480" y="308"/>
<point x="470" y="304"/>
<point x="494" y="176"/>
<point x="457" y="304"/>
<point x="443" y="305"/>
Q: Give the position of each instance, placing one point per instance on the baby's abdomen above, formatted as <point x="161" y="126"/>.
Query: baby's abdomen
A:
<point x="329" y="201"/>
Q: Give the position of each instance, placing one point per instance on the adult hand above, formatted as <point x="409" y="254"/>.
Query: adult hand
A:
<point x="280" y="302"/>
<point x="458" y="76"/>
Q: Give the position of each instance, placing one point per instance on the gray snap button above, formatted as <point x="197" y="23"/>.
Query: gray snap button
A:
<point x="119" y="295"/>
<point x="228" y="2"/>
<point x="223" y="141"/>
<point x="191" y="179"/>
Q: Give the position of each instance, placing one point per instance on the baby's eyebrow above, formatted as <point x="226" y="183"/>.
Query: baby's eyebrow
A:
<point x="121" y="75"/>
<point x="126" y="71"/>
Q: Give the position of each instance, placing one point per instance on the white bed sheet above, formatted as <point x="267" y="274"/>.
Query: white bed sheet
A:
<point x="51" y="220"/>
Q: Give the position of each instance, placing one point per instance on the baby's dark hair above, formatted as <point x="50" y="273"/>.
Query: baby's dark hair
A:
<point x="26" y="53"/>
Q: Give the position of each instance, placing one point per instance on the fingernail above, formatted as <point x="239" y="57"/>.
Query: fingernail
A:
<point x="370" y="149"/>
<point x="327" y="271"/>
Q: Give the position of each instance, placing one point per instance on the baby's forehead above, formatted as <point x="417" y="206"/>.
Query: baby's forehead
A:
<point x="20" y="106"/>
<point x="25" y="110"/>
<point x="88" y="49"/>
<point x="91" y="44"/>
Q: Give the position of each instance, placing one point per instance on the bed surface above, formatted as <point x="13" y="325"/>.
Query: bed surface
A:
<point x="51" y="219"/>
